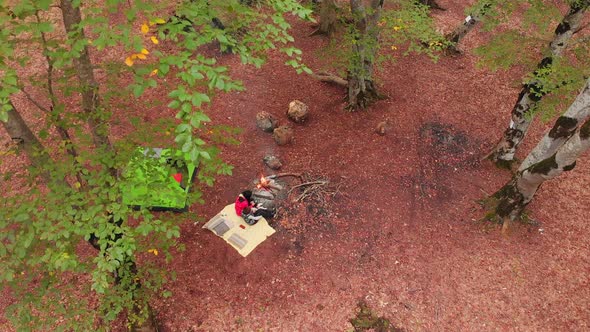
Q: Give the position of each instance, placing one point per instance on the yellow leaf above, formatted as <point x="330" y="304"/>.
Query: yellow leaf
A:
<point x="145" y="28"/>
<point x="140" y="56"/>
<point x="133" y="56"/>
<point x="77" y="185"/>
<point x="154" y="72"/>
<point x="89" y="42"/>
<point x="144" y="51"/>
<point x="153" y="251"/>
<point x="129" y="61"/>
<point x="393" y="47"/>
<point x="154" y="40"/>
<point x="396" y="28"/>
<point x="159" y="21"/>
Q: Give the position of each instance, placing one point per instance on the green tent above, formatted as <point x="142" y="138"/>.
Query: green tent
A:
<point x="158" y="178"/>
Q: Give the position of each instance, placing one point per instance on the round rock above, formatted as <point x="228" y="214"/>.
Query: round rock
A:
<point x="272" y="162"/>
<point x="283" y="135"/>
<point x="298" y="111"/>
<point x="265" y="121"/>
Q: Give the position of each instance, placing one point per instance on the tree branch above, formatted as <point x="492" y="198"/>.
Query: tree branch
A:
<point x="330" y="78"/>
<point x="63" y="132"/>
<point x="33" y="101"/>
<point x="308" y="184"/>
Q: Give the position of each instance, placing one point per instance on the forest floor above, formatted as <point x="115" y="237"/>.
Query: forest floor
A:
<point x="404" y="236"/>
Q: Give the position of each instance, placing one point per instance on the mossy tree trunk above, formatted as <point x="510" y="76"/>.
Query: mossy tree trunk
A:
<point x="361" y="88"/>
<point x="461" y="31"/>
<point x="328" y="18"/>
<point x="511" y="199"/>
<point x="565" y="126"/>
<point x="532" y="92"/>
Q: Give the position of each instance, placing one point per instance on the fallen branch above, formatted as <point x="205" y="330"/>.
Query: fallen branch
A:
<point x="330" y="78"/>
<point x="308" y="184"/>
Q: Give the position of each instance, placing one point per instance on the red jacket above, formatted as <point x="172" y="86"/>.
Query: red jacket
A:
<point x="241" y="203"/>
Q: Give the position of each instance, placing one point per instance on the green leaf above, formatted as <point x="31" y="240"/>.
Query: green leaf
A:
<point x="174" y="104"/>
<point x="186" y="108"/>
<point x="197" y="118"/>
<point x="138" y="90"/>
<point x="205" y="155"/>
<point x="11" y="80"/>
<point x="164" y="68"/>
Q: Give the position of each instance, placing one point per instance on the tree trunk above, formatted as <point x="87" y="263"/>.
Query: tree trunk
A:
<point x="518" y="192"/>
<point x="328" y="17"/>
<point x="465" y="27"/>
<point x="90" y="105"/>
<point x="90" y="98"/>
<point x="139" y="306"/>
<point x="21" y="134"/>
<point x="532" y="92"/>
<point x="565" y="126"/>
<point x="461" y="31"/>
<point x="361" y="88"/>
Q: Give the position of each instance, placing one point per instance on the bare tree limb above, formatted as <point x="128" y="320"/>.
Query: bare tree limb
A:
<point x="308" y="184"/>
<point x="330" y="78"/>
<point x="57" y="119"/>
<point x="33" y="101"/>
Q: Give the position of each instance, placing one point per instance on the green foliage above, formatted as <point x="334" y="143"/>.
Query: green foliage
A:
<point x="540" y="16"/>
<point x="411" y="28"/>
<point x="493" y="12"/>
<point x="556" y="82"/>
<point x="508" y="49"/>
<point x="559" y="84"/>
<point x="404" y="28"/>
<point x="513" y="46"/>
<point x="49" y="232"/>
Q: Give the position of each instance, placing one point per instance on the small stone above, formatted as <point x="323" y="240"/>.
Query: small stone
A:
<point x="272" y="162"/>
<point x="381" y="128"/>
<point x="298" y="111"/>
<point x="283" y="135"/>
<point x="266" y="122"/>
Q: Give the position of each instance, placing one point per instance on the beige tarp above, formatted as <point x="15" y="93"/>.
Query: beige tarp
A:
<point x="234" y="230"/>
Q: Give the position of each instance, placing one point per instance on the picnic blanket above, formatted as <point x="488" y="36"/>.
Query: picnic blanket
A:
<point x="234" y="230"/>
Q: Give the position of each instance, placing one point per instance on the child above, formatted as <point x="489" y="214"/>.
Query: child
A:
<point x="244" y="200"/>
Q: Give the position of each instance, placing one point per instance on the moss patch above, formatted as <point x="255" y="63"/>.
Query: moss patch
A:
<point x="544" y="166"/>
<point x="585" y="130"/>
<point x="563" y="127"/>
<point x="366" y="320"/>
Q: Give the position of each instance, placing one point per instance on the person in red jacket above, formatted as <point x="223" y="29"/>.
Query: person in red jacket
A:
<point x="243" y="200"/>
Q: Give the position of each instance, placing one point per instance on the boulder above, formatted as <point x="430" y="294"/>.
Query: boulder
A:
<point x="272" y="162"/>
<point x="283" y="135"/>
<point x="298" y="111"/>
<point x="265" y="121"/>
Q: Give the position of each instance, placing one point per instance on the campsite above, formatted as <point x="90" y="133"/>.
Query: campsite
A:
<point x="381" y="223"/>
